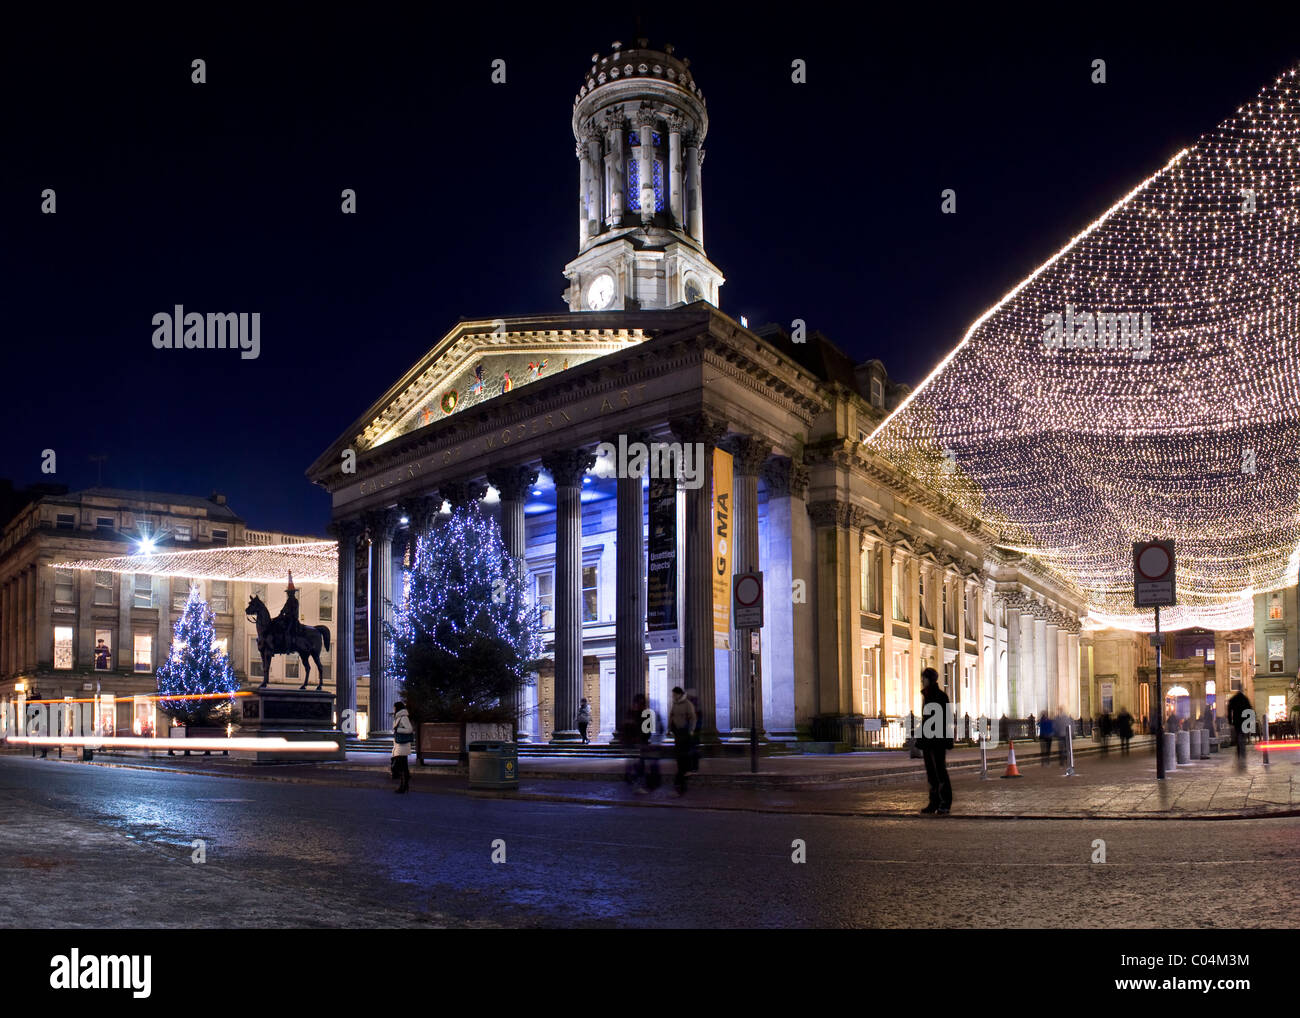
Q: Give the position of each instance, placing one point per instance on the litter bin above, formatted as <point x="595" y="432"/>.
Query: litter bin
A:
<point x="493" y="765"/>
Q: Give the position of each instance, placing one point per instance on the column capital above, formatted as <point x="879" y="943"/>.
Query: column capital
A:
<point x="702" y="427"/>
<point x="699" y="158"/>
<point x="588" y="133"/>
<point x="676" y="123"/>
<point x="421" y="511"/>
<point x="513" y="483"/>
<point x="748" y="453"/>
<point x="461" y="493"/>
<point x="837" y="513"/>
<point x="615" y="120"/>
<point x="346" y="529"/>
<point x="381" y="524"/>
<point x="567" y="466"/>
<point x="645" y="117"/>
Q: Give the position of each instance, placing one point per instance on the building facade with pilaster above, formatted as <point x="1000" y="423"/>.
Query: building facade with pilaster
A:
<point x="868" y="577"/>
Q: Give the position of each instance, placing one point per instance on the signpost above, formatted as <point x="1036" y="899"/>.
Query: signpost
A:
<point x="747" y="611"/>
<point x="1153" y="587"/>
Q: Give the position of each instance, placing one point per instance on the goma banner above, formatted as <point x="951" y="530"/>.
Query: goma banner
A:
<point x="722" y="531"/>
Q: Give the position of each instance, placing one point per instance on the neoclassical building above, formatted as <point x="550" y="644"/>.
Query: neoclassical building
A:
<point x="868" y="576"/>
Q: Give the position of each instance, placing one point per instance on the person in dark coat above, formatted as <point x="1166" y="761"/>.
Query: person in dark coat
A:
<point x="1045" y="736"/>
<point x="1105" y="726"/>
<point x="1124" y="729"/>
<point x="934" y="741"/>
<point x="1240" y="714"/>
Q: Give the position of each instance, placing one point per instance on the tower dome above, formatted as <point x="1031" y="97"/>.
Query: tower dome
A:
<point x="639" y="120"/>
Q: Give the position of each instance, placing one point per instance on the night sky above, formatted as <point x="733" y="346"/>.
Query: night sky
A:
<point x="821" y="201"/>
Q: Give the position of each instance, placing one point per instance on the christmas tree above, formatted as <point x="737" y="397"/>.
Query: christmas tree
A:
<point x="466" y="636"/>
<point x="197" y="669"/>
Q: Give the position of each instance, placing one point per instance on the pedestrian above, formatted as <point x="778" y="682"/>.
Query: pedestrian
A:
<point x="695" y="736"/>
<point x="935" y="742"/>
<point x="584" y="719"/>
<point x="1241" y="717"/>
<point x="1063" y="728"/>
<point x="638" y="731"/>
<point x="1124" y="728"/>
<point x="1105" y="726"/>
<point x="1045" y="738"/>
<point x="403" y="738"/>
<point x="681" y="722"/>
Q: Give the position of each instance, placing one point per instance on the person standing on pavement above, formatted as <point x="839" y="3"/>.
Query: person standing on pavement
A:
<point x="403" y="738"/>
<point x="1105" y="727"/>
<point x="584" y="719"/>
<point x="1124" y="728"/>
<point x="638" y="730"/>
<point x="681" y="722"/>
<point x="1045" y="737"/>
<point x="1239" y="714"/>
<point x="1062" y="728"/>
<point x="934" y="742"/>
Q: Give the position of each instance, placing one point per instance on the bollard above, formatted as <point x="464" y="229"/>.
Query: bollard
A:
<point x="1205" y="743"/>
<point x="1183" y="740"/>
<point x="1069" y="750"/>
<point x="1265" y="740"/>
<point x="1170" y="750"/>
<point x="984" y="759"/>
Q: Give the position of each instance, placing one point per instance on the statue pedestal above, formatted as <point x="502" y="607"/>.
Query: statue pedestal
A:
<point x="296" y="715"/>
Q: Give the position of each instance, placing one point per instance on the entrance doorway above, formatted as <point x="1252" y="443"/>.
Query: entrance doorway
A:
<point x="1178" y="702"/>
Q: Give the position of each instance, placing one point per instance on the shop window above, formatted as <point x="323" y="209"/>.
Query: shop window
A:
<point x="63" y="647"/>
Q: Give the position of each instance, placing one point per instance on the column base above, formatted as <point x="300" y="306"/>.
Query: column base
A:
<point x="572" y="736"/>
<point x="742" y="735"/>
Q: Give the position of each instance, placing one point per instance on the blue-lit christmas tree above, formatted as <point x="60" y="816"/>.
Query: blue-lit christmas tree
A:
<point x="197" y="668"/>
<point x="466" y="637"/>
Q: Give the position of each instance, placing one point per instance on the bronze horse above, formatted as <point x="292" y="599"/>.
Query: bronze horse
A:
<point x="305" y="641"/>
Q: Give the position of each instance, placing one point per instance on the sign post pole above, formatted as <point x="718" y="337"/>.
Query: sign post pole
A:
<point x="1154" y="586"/>
<point x="1159" y="708"/>
<point x="747" y="612"/>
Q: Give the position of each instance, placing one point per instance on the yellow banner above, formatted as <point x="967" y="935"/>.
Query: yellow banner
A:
<point x="723" y="524"/>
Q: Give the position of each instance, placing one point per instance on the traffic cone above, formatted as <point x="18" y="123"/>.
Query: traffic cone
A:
<point x="1012" y="770"/>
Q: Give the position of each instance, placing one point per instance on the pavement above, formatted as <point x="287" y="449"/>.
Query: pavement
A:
<point x="1107" y="786"/>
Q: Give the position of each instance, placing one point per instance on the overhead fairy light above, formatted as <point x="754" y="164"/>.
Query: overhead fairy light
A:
<point x="1144" y="382"/>
<point x="310" y="562"/>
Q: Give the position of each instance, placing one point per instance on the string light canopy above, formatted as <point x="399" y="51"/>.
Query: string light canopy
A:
<point x="310" y="562"/>
<point x="1143" y="383"/>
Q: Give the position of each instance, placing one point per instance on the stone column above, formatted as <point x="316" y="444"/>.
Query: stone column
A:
<point x="694" y="221"/>
<point x="1075" y="700"/>
<point x="839" y="581"/>
<point x="645" y="123"/>
<point x="789" y="629"/>
<point x="630" y="595"/>
<point x="584" y="193"/>
<point x="514" y="485"/>
<point x="1053" y="663"/>
<point x="703" y="430"/>
<point x="676" y="124"/>
<point x="1040" y="661"/>
<point x="346" y="533"/>
<point x="615" y="171"/>
<point x="567" y="468"/>
<point x="748" y="454"/>
<point x="381" y="526"/>
<point x="595" y="190"/>
<point x="6" y="643"/>
<point x="1013" y="706"/>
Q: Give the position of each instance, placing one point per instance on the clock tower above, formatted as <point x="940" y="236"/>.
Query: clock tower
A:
<point x="639" y="120"/>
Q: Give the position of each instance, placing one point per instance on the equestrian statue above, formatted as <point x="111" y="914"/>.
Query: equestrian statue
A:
<point x="286" y="635"/>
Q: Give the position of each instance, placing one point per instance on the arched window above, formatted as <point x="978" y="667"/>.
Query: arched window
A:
<point x="634" y="171"/>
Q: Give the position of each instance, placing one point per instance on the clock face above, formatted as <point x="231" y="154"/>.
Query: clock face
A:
<point x="600" y="292"/>
<point x="693" y="291"/>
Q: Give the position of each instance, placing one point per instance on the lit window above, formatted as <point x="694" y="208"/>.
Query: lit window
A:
<point x="63" y="647"/>
<point x="1274" y="608"/>
<point x="103" y="650"/>
<point x="143" y="591"/>
<point x="254" y="660"/>
<point x="659" y="184"/>
<point x="143" y="658"/>
<point x="634" y="183"/>
<point x="183" y="532"/>
<point x="1209" y="653"/>
<point x="326" y="606"/>
<point x="589" y="591"/>
<point x="220" y="645"/>
<point x="546" y="599"/>
<point x="920" y="591"/>
<point x="1234" y="653"/>
<point x="103" y="587"/>
<point x="900" y="590"/>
